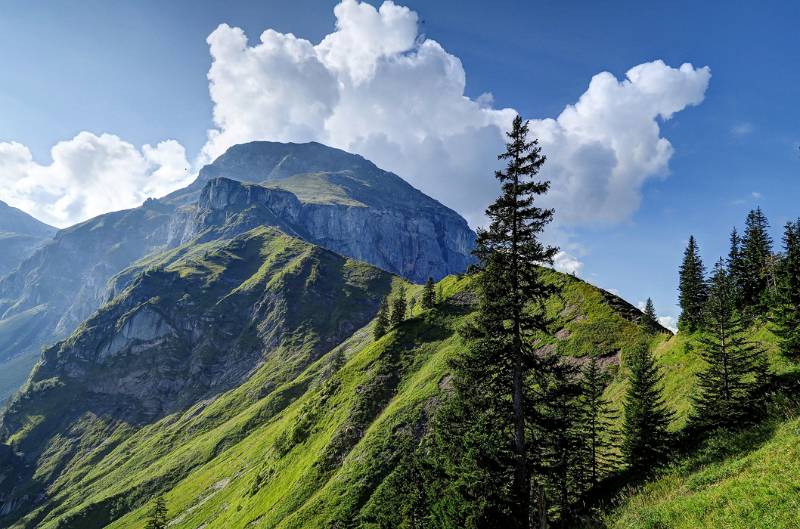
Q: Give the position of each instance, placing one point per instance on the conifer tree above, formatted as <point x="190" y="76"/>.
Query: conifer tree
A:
<point x="382" y="320"/>
<point x="428" y="295"/>
<point x="598" y="420"/>
<point x="692" y="289"/>
<point x="157" y="515"/>
<point x="729" y="386"/>
<point x="646" y="417"/>
<point x="399" y="306"/>
<point x="492" y="375"/>
<point x="756" y="257"/>
<point x="649" y="316"/>
<point x="786" y="319"/>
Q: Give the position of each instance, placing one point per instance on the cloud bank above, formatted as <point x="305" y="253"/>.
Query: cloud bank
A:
<point x="376" y="87"/>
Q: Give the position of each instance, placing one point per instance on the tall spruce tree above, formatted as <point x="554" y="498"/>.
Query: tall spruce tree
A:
<point x="756" y="256"/>
<point x="157" y="515"/>
<point x="493" y="376"/>
<point x="692" y="293"/>
<point x="382" y="320"/>
<point x="598" y="420"/>
<point x="786" y="317"/>
<point x="728" y="389"/>
<point x="645" y="417"/>
<point x="399" y="306"/>
<point x="428" y="294"/>
<point x="649" y="316"/>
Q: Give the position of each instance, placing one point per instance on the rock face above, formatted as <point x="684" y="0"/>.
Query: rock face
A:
<point x="415" y="244"/>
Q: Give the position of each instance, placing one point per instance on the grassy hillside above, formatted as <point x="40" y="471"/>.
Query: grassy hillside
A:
<point x="736" y="481"/>
<point x="309" y="450"/>
<point x="733" y="480"/>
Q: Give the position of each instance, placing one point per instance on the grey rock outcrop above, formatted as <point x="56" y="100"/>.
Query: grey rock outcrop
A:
<point x="413" y="243"/>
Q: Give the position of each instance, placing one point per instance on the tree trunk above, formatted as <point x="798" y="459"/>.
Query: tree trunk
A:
<point x="522" y="482"/>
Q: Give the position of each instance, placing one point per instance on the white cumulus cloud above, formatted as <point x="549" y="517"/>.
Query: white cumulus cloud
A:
<point x="602" y="149"/>
<point x="89" y="175"/>
<point x="376" y="87"/>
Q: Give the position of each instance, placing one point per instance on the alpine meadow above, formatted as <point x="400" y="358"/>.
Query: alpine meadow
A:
<point x="354" y="282"/>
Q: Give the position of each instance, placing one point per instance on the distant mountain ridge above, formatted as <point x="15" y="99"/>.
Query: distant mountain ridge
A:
<point x="20" y="235"/>
<point x="332" y="198"/>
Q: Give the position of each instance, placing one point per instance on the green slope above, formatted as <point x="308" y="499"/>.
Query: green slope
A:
<point x="308" y="449"/>
<point x="733" y="480"/>
<point x="736" y="481"/>
<point x="189" y="327"/>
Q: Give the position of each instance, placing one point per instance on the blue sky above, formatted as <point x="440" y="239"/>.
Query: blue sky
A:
<point x="139" y="71"/>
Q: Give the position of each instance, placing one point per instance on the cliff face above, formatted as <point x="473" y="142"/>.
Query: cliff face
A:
<point x="412" y="243"/>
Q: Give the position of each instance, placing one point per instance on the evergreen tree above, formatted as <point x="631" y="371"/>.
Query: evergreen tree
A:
<point x="649" y="316"/>
<point x="736" y="265"/>
<point x="729" y="386"/>
<point x="412" y="304"/>
<point x="492" y="378"/>
<point x="157" y="515"/>
<point x="786" y="319"/>
<point x="382" y="320"/>
<point x="399" y="306"/>
<point x="646" y="417"/>
<point x="692" y="289"/>
<point x="428" y="295"/>
<point x="598" y="420"/>
<point x="756" y="257"/>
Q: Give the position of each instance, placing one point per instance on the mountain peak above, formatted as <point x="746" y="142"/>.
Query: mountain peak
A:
<point x="14" y="220"/>
<point x="264" y="161"/>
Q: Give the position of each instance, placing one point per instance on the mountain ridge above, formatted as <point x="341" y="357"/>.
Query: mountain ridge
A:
<point x="68" y="277"/>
